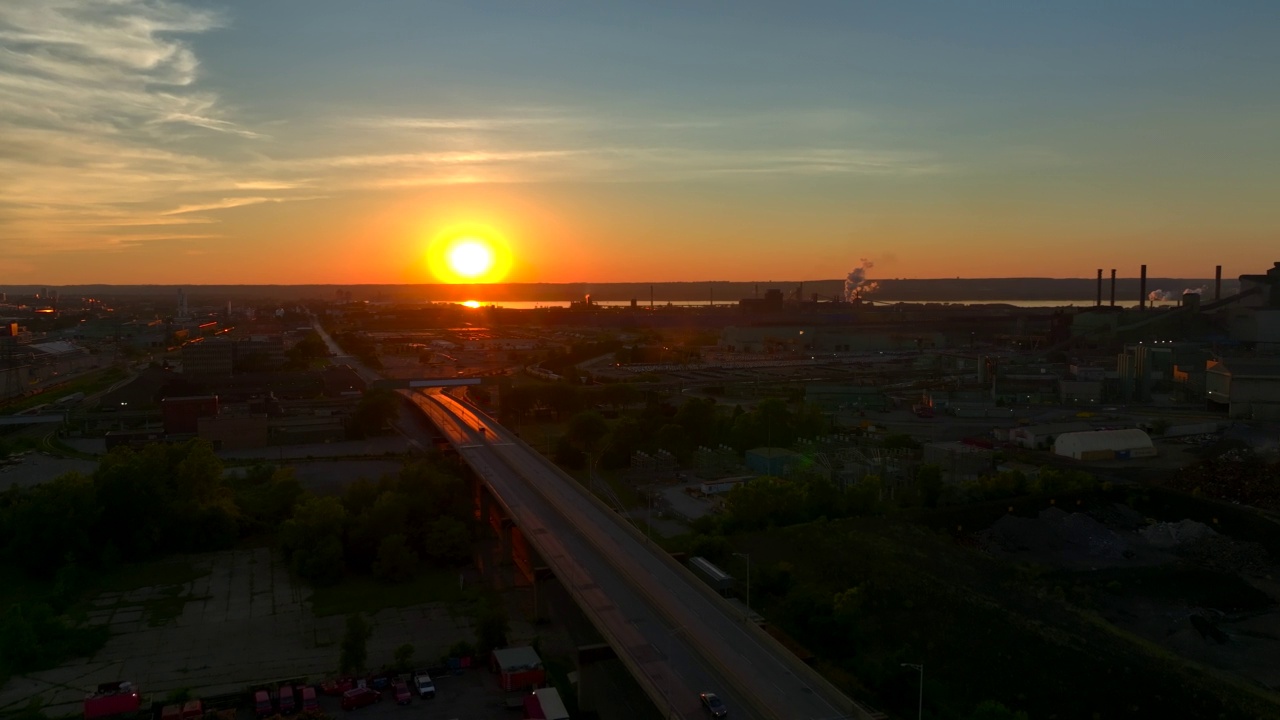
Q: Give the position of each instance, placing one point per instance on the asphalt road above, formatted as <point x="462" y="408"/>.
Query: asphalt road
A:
<point x="647" y="603"/>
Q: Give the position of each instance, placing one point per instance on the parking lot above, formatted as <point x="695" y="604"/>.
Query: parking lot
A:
<point x="473" y="694"/>
<point x="243" y="623"/>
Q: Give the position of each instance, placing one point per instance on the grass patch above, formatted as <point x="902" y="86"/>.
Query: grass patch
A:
<point x="365" y="594"/>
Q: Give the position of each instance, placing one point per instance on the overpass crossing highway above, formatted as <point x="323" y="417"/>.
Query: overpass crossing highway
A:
<point x="674" y="634"/>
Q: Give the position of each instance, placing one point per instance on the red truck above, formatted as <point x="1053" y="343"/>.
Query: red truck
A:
<point x="112" y="699"/>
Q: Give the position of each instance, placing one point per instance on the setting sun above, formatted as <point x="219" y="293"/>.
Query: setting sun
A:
<point x="469" y="255"/>
<point x="470" y="258"/>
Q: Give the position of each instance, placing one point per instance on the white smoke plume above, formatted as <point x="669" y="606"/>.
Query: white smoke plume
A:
<point x="856" y="284"/>
<point x="1196" y="291"/>
<point x="1159" y="296"/>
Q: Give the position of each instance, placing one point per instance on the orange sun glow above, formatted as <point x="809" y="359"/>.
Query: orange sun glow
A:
<point x="469" y="255"/>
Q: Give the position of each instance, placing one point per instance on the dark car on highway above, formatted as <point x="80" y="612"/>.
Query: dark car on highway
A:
<point x="360" y="697"/>
<point x="713" y="705"/>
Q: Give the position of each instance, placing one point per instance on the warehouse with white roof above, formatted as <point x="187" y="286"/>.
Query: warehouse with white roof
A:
<point x="1105" y="445"/>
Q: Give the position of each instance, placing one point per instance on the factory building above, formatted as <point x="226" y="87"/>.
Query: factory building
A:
<point x="1249" y="389"/>
<point x="1105" y="445"/>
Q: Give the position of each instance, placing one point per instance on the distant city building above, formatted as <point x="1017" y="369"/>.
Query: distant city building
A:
<point x="211" y="358"/>
<point x="182" y="414"/>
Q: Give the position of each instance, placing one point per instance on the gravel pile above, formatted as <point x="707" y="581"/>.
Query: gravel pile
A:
<point x="1068" y="538"/>
<point x="1173" y="534"/>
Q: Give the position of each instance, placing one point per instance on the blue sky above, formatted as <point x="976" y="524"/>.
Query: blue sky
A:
<point x="636" y="141"/>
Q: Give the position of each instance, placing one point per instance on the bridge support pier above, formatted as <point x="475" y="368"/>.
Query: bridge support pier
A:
<point x="542" y="577"/>
<point x="592" y="677"/>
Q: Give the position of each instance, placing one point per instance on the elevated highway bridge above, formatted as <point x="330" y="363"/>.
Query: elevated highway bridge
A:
<point x="671" y="631"/>
<point x="674" y="634"/>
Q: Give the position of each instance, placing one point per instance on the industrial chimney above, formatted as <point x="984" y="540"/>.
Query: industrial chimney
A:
<point x="1113" y="287"/>
<point x="1142" y="289"/>
<point x="1099" y="302"/>
<point x="1217" y="283"/>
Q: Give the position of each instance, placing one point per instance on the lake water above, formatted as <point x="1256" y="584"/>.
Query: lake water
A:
<point x="532" y="305"/>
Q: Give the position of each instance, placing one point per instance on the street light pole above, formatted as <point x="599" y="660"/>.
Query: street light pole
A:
<point x="747" y="557"/>
<point x="920" y="667"/>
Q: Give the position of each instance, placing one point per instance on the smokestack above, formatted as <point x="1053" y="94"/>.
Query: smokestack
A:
<point x="1113" y="287"/>
<point x="1099" y="303"/>
<point x="1142" y="289"/>
<point x="1217" y="283"/>
<point x="650" y="297"/>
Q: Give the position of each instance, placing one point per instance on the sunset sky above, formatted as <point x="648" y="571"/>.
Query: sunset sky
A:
<point x="314" y="141"/>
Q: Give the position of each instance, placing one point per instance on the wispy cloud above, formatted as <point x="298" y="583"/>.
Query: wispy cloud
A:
<point x="98" y="107"/>
<point x="234" y="202"/>
<point x="559" y="144"/>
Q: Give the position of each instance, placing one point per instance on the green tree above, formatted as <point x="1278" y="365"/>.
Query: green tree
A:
<point x="404" y="657"/>
<point x="491" y="627"/>
<point x="267" y="496"/>
<point x="617" y="394"/>
<point x="586" y="429"/>
<point x="396" y="562"/>
<point x="675" y="440"/>
<point x="448" y="541"/>
<point x="355" y="644"/>
<point x="360" y="496"/>
<point x="19" y="640"/>
<point x="929" y="480"/>
<point x="312" y="540"/>
<point x="992" y="710"/>
<point x="52" y="523"/>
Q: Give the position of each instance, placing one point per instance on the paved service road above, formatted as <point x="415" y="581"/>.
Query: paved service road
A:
<point x="667" y="626"/>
